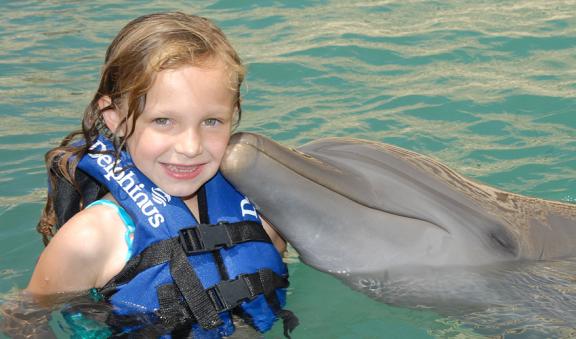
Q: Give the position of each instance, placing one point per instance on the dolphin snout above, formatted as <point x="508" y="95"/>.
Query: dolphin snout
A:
<point x="240" y="155"/>
<point x="244" y="138"/>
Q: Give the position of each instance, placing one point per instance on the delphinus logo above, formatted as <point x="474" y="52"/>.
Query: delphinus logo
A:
<point x="125" y="179"/>
<point x="160" y="197"/>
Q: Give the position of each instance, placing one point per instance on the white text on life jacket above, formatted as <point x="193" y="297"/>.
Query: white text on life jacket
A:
<point x="125" y="179"/>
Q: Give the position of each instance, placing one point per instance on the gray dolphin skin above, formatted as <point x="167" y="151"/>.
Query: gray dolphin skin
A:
<point x="360" y="206"/>
<point x="374" y="213"/>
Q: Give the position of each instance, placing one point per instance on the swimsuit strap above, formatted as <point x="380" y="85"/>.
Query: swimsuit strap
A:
<point x="128" y="222"/>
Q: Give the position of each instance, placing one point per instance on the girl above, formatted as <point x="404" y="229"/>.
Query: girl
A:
<point x="150" y="147"/>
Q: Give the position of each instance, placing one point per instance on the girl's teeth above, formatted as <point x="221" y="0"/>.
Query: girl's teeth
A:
<point x="181" y="169"/>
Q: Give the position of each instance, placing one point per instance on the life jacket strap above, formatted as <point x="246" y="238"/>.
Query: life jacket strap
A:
<point x="226" y="295"/>
<point x="66" y="198"/>
<point x="192" y="291"/>
<point x="158" y="253"/>
<point x="203" y="238"/>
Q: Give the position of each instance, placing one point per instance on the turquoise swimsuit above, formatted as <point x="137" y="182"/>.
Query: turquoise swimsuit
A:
<point x="130" y="227"/>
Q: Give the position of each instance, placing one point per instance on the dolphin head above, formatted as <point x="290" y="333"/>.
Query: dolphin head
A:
<point x="353" y="206"/>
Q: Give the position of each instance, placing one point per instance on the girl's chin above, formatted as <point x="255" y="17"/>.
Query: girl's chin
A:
<point x="182" y="193"/>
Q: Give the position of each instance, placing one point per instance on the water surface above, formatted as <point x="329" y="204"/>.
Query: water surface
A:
<point x="488" y="87"/>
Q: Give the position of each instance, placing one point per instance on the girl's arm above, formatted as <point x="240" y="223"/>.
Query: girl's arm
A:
<point x="85" y="253"/>
<point x="277" y="240"/>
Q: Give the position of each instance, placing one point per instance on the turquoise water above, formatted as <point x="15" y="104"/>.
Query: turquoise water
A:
<point x="488" y="87"/>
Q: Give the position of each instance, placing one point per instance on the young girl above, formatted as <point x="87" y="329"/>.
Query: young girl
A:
<point x="168" y="237"/>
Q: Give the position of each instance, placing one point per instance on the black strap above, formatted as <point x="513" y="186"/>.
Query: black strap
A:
<point x="203" y="206"/>
<point x="289" y="321"/>
<point x="268" y="279"/>
<point x="190" y="287"/>
<point x="224" y="296"/>
<point x="66" y="198"/>
<point x="228" y="294"/>
<point x="155" y="254"/>
<point x="204" y="238"/>
<point x="172" y="313"/>
<point x="205" y="219"/>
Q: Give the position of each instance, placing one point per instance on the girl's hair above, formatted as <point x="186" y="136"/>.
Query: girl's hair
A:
<point x="144" y="47"/>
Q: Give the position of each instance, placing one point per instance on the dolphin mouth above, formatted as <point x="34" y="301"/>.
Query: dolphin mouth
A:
<point x="299" y="163"/>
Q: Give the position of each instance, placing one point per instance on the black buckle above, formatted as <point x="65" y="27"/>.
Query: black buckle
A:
<point x="228" y="294"/>
<point x="203" y="238"/>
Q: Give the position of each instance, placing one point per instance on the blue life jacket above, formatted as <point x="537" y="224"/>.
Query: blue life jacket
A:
<point x="183" y="271"/>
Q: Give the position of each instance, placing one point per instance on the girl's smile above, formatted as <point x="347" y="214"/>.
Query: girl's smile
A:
<point x="182" y="172"/>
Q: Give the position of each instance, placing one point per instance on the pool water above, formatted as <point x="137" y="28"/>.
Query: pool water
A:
<point x="487" y="87"/>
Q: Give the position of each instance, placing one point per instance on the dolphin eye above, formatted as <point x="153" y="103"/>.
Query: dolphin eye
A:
<point x="503" y="241"/>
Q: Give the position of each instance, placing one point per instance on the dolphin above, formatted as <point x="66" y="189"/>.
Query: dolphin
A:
<point x="359" y="209"/>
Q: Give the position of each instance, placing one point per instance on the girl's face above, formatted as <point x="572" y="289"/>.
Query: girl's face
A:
<point x="180" y="138"/>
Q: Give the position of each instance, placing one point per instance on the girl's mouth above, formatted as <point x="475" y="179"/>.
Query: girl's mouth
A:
<point x="183" y="171"/>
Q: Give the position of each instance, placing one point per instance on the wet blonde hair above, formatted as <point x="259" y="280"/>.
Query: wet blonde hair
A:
<point x="144" y="47"/>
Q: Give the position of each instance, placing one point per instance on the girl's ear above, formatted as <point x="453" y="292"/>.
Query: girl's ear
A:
<point x="111" y="116"/>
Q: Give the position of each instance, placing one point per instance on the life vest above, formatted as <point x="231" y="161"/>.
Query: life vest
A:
<point x="185" y="274"/>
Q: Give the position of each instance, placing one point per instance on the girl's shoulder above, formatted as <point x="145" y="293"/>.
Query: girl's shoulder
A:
<point x="92" y="234"/>
<point x="86" y="252"/>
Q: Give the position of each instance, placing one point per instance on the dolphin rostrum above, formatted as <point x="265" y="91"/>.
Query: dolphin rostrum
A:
<point x="356" y="207"/>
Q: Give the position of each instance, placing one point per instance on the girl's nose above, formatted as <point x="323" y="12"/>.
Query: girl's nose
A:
<point x="189" y="143"/>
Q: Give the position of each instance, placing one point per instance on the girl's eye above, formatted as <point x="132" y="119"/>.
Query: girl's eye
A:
<point x="211" y="122"/>
<point x="162" y="121"/>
